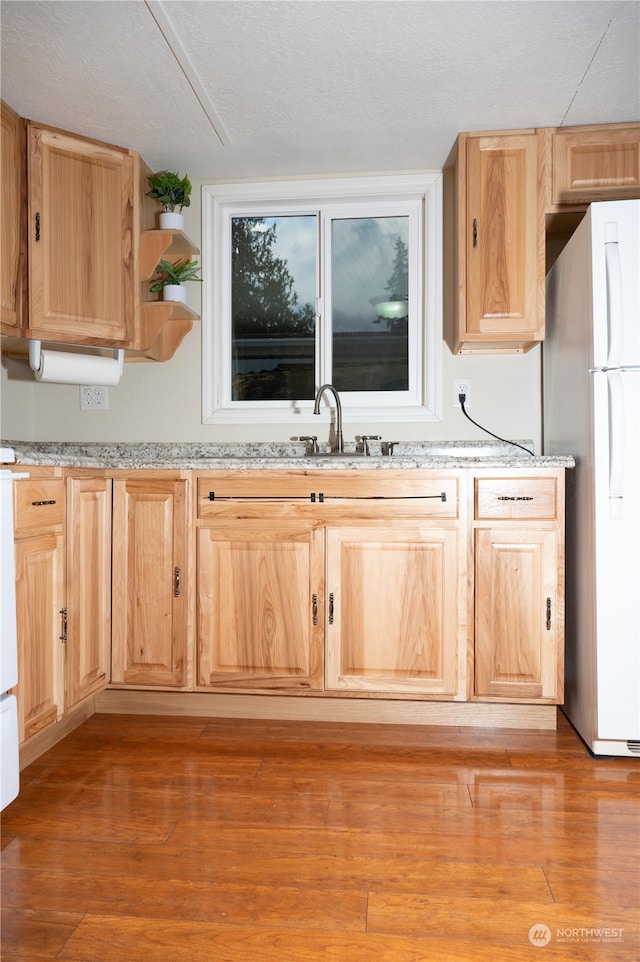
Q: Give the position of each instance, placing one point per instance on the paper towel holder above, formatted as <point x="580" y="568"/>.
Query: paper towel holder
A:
<point x="35" y="356"/>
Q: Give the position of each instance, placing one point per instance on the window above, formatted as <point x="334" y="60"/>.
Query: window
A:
<point x="324" y="281"/>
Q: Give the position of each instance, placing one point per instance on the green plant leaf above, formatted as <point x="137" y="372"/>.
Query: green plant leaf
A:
<point x="170" y="189"/>
<point x="178" y="273"/>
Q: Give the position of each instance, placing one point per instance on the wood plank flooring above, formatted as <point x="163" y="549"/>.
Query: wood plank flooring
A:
<point x="147" y="839"/>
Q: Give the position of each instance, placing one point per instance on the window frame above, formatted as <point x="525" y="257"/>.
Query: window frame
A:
<point x="221" y="201"/>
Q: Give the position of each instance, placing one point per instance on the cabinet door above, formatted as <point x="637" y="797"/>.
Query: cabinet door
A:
<point x="502" y="244"/>
<point x="12" y="251"/>
<point x="260" y="619"/>
<point x="596" y="163"/>
<point x="81" y="271"/>
<point x="518" y="615"/>
<point x="392" y="610"/>
<point x="39" y="615"/>
<point x="88" y="586"/>
<point x="149" y="582"/>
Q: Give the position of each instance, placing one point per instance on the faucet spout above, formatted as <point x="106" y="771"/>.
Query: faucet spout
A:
<point x="338" y="447"/>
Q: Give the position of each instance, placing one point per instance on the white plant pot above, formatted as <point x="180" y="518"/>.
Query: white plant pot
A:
<point x="171" y="220"/>
<point x="174" y="292"/>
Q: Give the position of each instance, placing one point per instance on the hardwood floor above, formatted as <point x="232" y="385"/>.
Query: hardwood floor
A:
<point x="146" y="839"/>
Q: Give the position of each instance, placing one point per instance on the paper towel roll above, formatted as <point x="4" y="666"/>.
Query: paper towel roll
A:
<point x="58" y="367"/>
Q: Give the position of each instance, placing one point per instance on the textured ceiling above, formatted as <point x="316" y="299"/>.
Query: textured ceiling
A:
<point x="254" y="88"/>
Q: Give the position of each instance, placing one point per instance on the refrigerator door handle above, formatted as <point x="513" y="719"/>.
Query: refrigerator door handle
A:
<point x="615" y="386"/>
<point x="615" y="325"/>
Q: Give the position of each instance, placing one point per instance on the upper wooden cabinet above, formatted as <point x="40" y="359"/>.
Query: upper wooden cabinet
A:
<point x="506" y="190"/>
<point x="79" y="245"/>
<point x="499" y="257"/>
<point x="588" y="164"/>
<point x="12" y="253"/>
<point x="80" y="234"/>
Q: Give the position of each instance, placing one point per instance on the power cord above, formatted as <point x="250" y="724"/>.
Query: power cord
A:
<point x="462" y="398"/>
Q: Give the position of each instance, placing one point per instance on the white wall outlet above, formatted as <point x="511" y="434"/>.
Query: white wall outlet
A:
<point x="94" y="397"/>
<point x="461" y="385"/>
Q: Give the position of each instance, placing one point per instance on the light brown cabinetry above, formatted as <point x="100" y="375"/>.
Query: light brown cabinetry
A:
<point x="367" y="568"/>
<point x="587" y="164"/>
<point x="13" y="258"/>
<point x="519" y="587"/>
<point x="162" y="324"/>
<point x="259" y="605"/>
<point x="77" y="254"/>
<point x="150" y="579"/>
<point x="80" y="235"/>
<point x="88" y="561"/>
<point x="63" y="588"/>
<point x="509" y="192"/>
<point x="499" y="252"/>
<point x="393" y="616"/>
<point x="40" y="608"/>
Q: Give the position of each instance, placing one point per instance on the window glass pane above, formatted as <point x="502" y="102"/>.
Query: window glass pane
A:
<point x="273" y="290"/>
<point x="369" y="303"/>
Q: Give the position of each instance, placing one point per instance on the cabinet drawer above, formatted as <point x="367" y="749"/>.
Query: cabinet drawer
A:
<point x="39" y="503"/>
<point x="328" y="495"/>
<point x="519" y="498"/>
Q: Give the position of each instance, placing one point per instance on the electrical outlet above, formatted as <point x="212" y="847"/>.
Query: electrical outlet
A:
<point x="94" y="397"/>
<point x="461" y="386"/>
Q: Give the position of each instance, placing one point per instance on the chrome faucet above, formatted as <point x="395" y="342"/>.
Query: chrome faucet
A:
<point x="338" y="446"/>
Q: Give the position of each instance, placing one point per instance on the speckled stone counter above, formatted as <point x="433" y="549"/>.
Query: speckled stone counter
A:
<point x="279" y="455"/>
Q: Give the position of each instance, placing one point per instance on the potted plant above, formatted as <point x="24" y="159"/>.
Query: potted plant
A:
<point x="172" y="191"/>
<point x="170" y="279"/>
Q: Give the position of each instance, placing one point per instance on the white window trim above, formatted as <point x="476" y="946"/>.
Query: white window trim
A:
<point x="427" y="187"/>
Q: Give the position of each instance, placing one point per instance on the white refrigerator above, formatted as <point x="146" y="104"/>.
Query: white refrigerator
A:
<point x="591" y="390"/>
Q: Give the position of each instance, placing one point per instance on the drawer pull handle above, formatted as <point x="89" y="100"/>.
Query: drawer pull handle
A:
<point x="38" y="504"/>
<point x="63" y="636"/>
<point x="331" y="608"/>
<point x="314" y="608"/>
<point x="176" y="583"/>
<point x="519" y="497"/>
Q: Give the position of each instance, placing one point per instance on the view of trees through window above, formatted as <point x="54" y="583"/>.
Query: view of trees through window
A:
<point x="273" y="291"/>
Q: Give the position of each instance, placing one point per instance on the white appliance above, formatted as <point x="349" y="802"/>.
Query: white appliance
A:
<point x="591" y="389"/>
<point x="9" y="765"/>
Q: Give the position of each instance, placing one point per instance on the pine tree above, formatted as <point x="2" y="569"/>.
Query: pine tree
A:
<point x="264" y="302"/>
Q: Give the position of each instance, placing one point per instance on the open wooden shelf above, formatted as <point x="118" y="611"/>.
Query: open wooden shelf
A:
<point x="163" y="325"/>
<point x="157" y="245"/>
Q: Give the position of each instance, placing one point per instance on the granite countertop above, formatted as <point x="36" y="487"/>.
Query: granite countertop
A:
<point x="274" y="455"/>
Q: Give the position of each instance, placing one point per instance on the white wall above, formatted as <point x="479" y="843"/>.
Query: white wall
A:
<point x="162" y="402"/>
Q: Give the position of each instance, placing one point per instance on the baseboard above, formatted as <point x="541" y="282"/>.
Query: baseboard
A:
<point x="36" y="746"/>
<point x="370" y="711"/>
